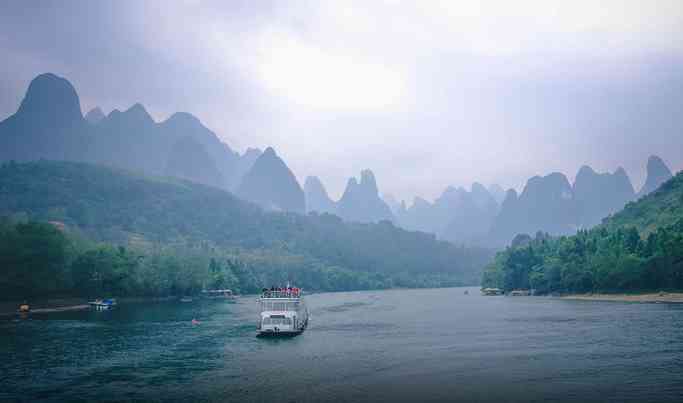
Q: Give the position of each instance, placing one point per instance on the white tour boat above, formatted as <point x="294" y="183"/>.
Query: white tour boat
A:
<point x="282" y="313"/>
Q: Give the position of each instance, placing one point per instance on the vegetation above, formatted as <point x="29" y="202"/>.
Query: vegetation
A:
<point x="79" y="229"/>
<point x="637" y="249"/>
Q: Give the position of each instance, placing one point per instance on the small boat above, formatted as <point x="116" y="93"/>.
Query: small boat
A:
<point x="186" y="299"/>
<point x="519" y="293"/>
<point x="491" y="291"/>
<point x="103" y="304"/>
<point x="283" y="313"/>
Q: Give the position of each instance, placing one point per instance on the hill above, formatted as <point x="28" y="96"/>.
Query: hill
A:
<point x="146" y="215"/>
<point x="637" y="249"/>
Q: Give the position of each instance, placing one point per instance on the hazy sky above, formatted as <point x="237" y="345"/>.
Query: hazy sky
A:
<point x="426" y="93"/>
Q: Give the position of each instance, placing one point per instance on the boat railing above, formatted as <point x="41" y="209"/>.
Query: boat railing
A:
<point x="281" y="294"/>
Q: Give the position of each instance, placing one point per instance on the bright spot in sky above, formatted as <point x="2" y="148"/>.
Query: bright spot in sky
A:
<point x="322" y="79"/>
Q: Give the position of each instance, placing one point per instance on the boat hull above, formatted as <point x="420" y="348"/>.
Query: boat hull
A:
<point x="280" y="334"/>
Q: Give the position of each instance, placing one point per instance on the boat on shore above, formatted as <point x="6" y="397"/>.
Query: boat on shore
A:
<point x="102" y="304"/>
<point x="489" y="292"/>
<point x="282" y="313"/>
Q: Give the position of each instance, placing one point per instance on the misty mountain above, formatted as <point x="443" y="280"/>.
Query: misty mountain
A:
<point x="272" y="185"/>
<point x="317" y="198"/>
<point x="420" y="216"/>
<point x="393" y="203"/>
<point x="361" y="202"/>
<point x="657" y="174"/>
<point x="457" y="215"/>
<point x="599" y="195"/>
<point x="189" y="160"/>
<point x="118" y="207"/>
<point x="95" y="116"/>
<point x="546" y="204"/>
<point x="49" y="125"/>
<point x="497" y="192"/>
<point x="472" y="214"/>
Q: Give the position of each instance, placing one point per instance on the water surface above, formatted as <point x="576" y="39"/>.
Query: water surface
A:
<point x="399" y="345"/>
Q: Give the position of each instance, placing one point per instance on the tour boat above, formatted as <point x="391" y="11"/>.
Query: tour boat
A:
<point x="282" y="312"/>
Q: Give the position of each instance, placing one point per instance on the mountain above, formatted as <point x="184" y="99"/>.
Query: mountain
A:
<point x="654" y="211"/>
<point x="457" y="215"/>
<point x="420" y="216"/>
<point x="637" y="249"/>
<point x="497" y="192"/>
<point x="546" y="204"/>
<point x="393" y="203"/>
<point x="471" y="215"/>
<point x="316" y="196"/>
<point x="95" y="116"/>
<point x="657" y="173"/>
<point x="182" y="124"/>
<point x="48" y="124"/>
<point x="148" y="215"/>
<point x="189" y="160"/>
<point x="132" y="140"/>
<point x="361" y="202"/>
<point x="599" y="195"/>
<point x="270" y="184"/>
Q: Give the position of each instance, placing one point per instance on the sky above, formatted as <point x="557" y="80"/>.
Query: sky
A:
<point x="427" y="94"/>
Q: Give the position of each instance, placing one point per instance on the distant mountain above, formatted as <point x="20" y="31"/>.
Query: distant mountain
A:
<point x="457" y="215"/>
<point x="189" y="160"/>
<point x="94" y="116"/>
<point x="599" y="195"/>
<point x="471" y="216"/>
<point x="497" y="192"/>
<point x="420" y="216"/>
<point x="182" y="124"/>
<point x="270" y="184"/>
<point x="393" y="203"/>
<point x="361" y="202"/>
<point x="657" y="173"/>
<point x="317" y="198"/>
<point x="546" y="204"/>
<point x="130" y="140"/>
<point x="637" y="249"/>
<point x="321" y="252"/>
<point x="48" y="124"/>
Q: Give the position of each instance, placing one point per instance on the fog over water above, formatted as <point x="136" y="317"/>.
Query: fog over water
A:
<point x="427" y="94"/>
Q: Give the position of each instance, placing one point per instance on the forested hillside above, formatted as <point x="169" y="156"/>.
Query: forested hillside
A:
<point x="119" y="222"/>
<point x="638" y="249"/>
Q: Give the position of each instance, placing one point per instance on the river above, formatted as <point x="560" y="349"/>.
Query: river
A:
<point x="399" y="345"/>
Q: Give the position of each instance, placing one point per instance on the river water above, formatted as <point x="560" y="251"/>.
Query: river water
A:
<point x="399" y="345"/>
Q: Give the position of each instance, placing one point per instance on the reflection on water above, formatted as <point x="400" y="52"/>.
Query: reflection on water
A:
<point x="398" y="345"/>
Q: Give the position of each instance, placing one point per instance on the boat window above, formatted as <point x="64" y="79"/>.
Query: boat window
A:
<point x="277" y="321"/>
<point x="279" y="306"/>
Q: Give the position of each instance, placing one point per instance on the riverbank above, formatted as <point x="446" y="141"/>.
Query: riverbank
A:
<point x="661" y="297"/>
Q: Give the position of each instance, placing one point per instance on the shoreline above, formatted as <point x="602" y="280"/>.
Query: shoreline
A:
<point x="657" y="298"/>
